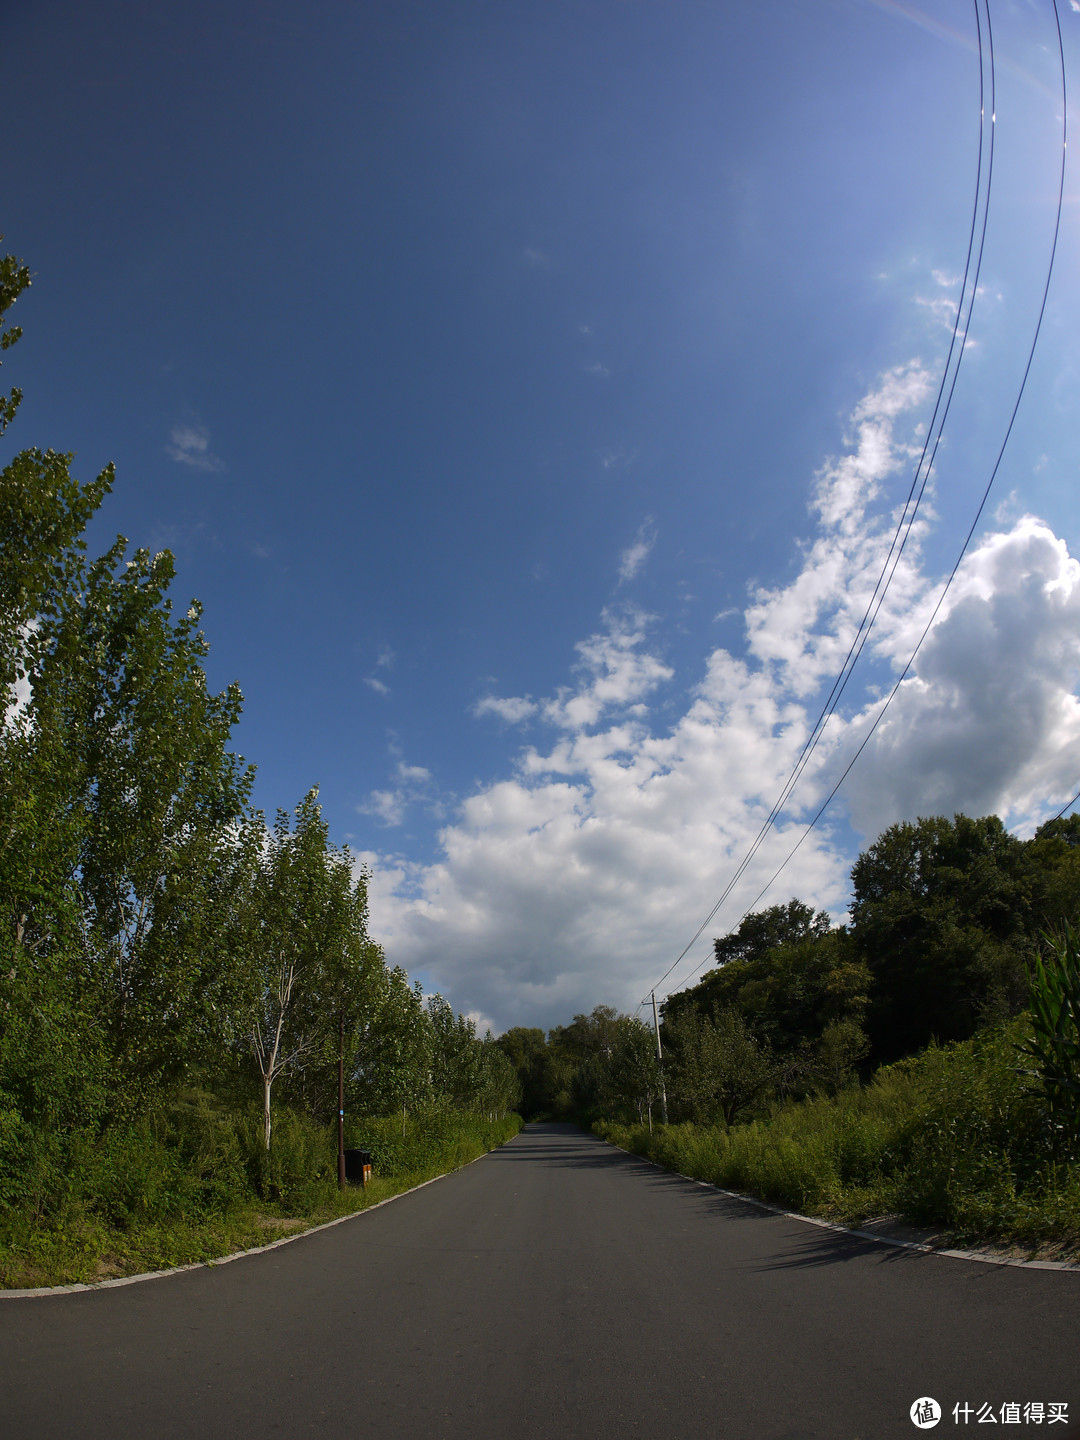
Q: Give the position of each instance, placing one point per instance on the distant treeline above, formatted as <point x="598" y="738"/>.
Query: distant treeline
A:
<point x="163" y="950"/>
<point x="947" y="919"/>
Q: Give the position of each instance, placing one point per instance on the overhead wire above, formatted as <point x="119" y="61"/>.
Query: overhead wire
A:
<point x="971" y="531"/>
<point x="982" y="503"/>
<point x="920" y="479"/>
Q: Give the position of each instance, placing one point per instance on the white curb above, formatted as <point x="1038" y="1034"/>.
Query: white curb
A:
<point x="237" y="1255"/>
<point x="846" y="1230"/>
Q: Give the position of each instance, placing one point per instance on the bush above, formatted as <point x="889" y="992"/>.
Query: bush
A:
<point x="954" y="1137"/>
<point x="193" y="1180"/>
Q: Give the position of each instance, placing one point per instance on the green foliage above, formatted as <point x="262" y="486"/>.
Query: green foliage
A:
<point x="564" y="1073"/>
<point x="195" y="1181"/>
<point x="1054" y="1045"/>
<point x="765" y="930"/>
<point x="945" y="924"/>
<point x="14" y="279"/>
<point x="157" y="941"/>
<point x="944" y="915"/>
<point x="435" y="1140"/>
<point x="620" y="1077"/>
<point x="952" y="1139"/>
<point x="719" y="1070"/>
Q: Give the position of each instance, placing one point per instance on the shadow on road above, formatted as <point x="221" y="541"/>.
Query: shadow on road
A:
<point x="568" y="1146"/>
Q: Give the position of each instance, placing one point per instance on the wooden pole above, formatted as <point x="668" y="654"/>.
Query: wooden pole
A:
<point x="660" y="1062"/>
<point x="341" y="1102"/>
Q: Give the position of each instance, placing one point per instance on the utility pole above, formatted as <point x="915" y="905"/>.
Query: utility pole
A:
<point x="341" y="1102"/>
<point x="659" y="1061"/>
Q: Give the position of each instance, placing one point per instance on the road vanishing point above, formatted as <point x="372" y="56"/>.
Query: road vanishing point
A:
<point x="556" y="1288"/>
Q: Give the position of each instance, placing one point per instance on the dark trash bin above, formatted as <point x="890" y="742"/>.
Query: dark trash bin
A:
<point x="358" y="1165"/>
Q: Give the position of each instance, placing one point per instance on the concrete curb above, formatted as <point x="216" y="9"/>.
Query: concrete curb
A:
<point x="236" y="1255"/>
<point x="860" y="1234"/>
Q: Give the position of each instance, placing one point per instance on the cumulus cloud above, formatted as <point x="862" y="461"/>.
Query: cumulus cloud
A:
<point x="635" y="555"/>
<point x="190" y="444"/>
<point x="989" y="721"/>
<point x="578" y="877"/>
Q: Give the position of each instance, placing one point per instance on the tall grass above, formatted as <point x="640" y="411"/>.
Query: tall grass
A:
<point x="194" y="1182"/>
<point x="954" y="1138"/>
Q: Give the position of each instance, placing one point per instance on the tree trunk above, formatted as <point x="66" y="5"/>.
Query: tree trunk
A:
<point x="266" y="1111"/>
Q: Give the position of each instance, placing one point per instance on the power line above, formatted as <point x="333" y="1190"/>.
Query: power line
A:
<point x="1067" y="806"/>
<point x="982" y="502"/>
<point x="917" y="490"/>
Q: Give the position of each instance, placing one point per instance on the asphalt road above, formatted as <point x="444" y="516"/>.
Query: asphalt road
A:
<point x="556" y="1288"/>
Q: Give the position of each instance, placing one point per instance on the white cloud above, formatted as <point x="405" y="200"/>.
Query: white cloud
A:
<point x="577" y="878"/>
<point x="635" y="555"/>
<point x="618" y="673"/>
<point x="20" y="693"/>
<point x="512" y="708"/>
<point x="190" y="444"/>
<point x="384" y="662"/>
<point x="618" y="459"/>
<point x="414" y="786"/>
<point x="989" y="721"/>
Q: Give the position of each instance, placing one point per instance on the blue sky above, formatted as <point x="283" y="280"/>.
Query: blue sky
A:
<point x="525" y="390"/>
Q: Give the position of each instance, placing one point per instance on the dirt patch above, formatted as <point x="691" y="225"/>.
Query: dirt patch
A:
<point x="108" y="1267"/>
<point x="891" y="1227"/>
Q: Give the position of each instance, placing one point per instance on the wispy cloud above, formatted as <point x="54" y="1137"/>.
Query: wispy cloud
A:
<point x="511" y="708"/>
<point x="618" y="458"/>
<point x="634" y="556"/>
<point x="384" y="662"/>
<point x="413" y="786"/>
<point x="190" y="445"/>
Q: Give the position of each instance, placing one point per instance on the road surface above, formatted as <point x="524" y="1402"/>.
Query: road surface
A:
<point x="556" y="1288"/>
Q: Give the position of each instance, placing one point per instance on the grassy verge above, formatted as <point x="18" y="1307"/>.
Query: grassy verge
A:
<point x="952" y="1139"/>
<point x="169" y="1206"/>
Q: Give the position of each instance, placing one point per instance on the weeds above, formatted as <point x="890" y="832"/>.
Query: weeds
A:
<point x="194" y="1183"/>
<point x="953" y="1138"/>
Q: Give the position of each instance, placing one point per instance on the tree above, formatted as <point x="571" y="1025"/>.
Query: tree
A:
<point x="301" y="906"/>
<point x="394" y="1068"/>
<point x="944" y="917"/>
<point x="764" y="930"/>
<point x="498" y="1087"/>
<point x="526" y="1049"/>
<point x="14" y="279"/>
<point x="719" y="1070"/>
<point x="623" y="1080"/>
<point x="162" y="794"/>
